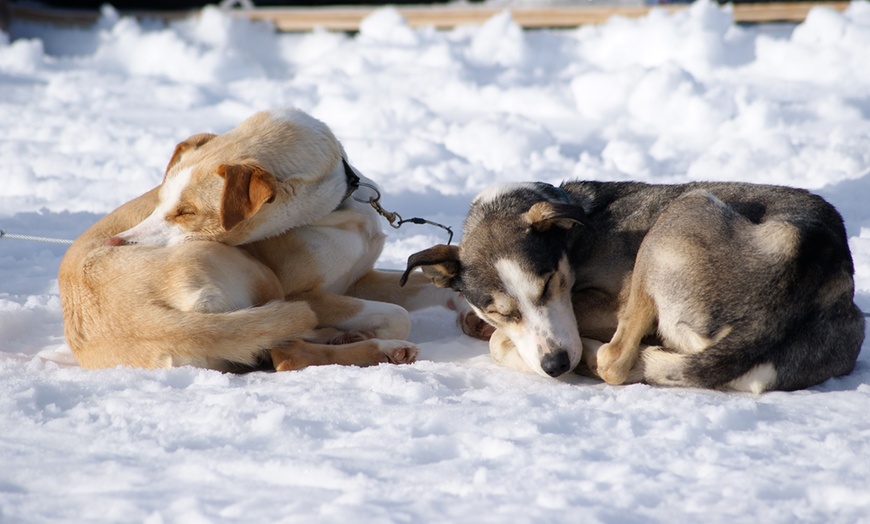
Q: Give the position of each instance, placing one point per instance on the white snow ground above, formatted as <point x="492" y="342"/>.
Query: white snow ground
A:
<point x="89" y="117"/>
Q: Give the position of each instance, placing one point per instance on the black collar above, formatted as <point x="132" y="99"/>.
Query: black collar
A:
<point x="352" y="180"/>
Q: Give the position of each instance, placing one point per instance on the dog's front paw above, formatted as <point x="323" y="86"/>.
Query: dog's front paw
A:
<point x="468" y="321"/>
<point x="612" y="364"/>
<point x="589" y="360"/>
<point x="473" y="326"/>
<point x="399" y="351"/>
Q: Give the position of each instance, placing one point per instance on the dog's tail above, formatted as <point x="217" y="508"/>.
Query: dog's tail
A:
<point x="663" y="367"/>
<point x="239" y="337"/>
<point x="823" y="347"/>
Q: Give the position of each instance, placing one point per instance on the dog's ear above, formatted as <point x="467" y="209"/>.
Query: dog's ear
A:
<point x="188" y="145"/>
<point x="247" y="187"/>
<point x="545" y="215"/>
<point x="440" y="264"/>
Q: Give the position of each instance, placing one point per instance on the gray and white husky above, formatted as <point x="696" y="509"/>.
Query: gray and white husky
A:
<point x="714" y="285"/>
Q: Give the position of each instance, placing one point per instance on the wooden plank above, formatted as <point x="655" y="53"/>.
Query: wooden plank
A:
<point x="439" y="16"/>
<point x="780" y="12"/>
<point x="349" y="18"/>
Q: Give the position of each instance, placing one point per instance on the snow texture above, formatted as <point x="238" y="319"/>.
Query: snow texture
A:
<point x="90" y="116"/>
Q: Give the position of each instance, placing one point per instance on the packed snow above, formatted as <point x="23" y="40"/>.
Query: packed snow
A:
<point x="90" y="116"/>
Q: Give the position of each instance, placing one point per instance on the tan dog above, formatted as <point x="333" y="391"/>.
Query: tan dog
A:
<point x="250" y="247"/>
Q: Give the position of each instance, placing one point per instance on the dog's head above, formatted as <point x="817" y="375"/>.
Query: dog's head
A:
<point x="275" y="171"/>
<point x="513" y="268"/>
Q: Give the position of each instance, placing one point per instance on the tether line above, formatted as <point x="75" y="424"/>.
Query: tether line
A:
<point x="4" y="234"/>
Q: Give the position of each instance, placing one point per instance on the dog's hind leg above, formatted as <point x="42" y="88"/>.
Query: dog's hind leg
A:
<point x="417" y="292"/>
<point x="731" y="301"/>
<point x="675" y="287"/>
<point x="228" y="304"/>
<point x="299" y="354"/>
<point x="368" y="318"/>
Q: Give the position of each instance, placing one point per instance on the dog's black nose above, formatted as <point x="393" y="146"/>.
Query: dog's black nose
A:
<point x="556" y="364"/>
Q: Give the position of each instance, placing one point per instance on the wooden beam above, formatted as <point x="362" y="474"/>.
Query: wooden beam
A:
<point x="780" y="12"/>
<point x="439" y="16"/>
<point x="445" y="17"/>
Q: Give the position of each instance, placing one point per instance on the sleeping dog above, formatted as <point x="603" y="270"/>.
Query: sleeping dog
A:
<point x="712" y="285"/>
<point x="250" y="247"/>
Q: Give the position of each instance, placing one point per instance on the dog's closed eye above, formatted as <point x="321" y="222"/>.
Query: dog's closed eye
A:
<point x="185" y="211"/>
<point x="548" y="286"/>
<point x="554" y="283"/>
<point x="510" y="316"/>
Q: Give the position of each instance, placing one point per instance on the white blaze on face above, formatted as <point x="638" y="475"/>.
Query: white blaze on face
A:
<point x="155" y="230"/>
<point x="544" y="327"/>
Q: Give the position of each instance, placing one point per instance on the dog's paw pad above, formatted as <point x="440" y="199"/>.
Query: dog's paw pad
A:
<point x="473" y="326"/>
<point x="282" y="360"/>
<point x="400" y="352"/>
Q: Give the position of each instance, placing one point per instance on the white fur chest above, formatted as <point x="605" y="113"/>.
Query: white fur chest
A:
<point x="345" y="244"/>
